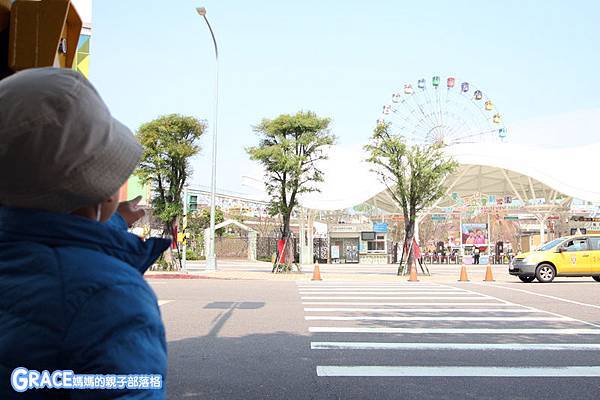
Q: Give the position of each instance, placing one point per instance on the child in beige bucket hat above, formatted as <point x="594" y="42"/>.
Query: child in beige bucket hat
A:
<point x="71" y="276"/>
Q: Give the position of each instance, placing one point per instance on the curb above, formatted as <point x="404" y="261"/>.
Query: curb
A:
<point x="175" y="276"/>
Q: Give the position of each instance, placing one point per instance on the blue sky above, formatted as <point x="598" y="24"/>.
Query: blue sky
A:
<point x="342" y="60"/>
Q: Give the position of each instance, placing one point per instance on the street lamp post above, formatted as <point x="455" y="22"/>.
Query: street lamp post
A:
<point x="211" y="258"/>
<point x="185" y="222"/>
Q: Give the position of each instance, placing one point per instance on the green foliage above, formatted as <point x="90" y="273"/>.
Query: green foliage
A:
<point x="414" y="175"/>
<point x="288" y="149"/>
<point x="192" y="255"/>
<point x="198" y="221"/>
<point x="169" y="142"/>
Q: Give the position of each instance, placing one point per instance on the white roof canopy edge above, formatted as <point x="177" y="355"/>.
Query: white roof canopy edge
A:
<point x="567" y="172"/>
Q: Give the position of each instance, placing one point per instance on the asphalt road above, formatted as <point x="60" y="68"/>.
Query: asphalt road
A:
<point x="241" y="339"/>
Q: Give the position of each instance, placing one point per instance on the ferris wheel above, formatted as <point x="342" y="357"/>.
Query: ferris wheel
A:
<point x="443" y="111"/>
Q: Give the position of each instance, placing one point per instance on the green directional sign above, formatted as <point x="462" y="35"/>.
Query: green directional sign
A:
<point x="438" y="218"/>
<point x="512" y="217"/>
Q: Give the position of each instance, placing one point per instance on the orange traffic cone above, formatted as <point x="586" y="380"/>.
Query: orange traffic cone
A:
<point x="316" y="273"/>
<point x="413" y="273"/>
<point x="463" y="274"/>
<point x="489" y="277"/>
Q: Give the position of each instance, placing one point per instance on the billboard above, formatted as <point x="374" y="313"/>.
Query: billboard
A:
<point x="474" y="233"/>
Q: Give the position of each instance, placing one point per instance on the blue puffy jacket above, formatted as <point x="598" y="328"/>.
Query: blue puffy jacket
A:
<point x="72" y="296"/>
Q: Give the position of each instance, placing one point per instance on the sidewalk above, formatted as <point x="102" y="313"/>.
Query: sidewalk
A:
<point x="266" y="275"/>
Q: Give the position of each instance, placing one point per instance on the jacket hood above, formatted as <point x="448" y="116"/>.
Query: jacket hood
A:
<point x="54" y="230"/>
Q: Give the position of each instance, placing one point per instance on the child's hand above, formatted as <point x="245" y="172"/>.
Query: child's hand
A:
<point x="130" y="212"/>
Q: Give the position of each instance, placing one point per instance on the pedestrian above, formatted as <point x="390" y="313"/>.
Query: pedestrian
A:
<point x="71" y="276"/>
<point x="476" y="254"/>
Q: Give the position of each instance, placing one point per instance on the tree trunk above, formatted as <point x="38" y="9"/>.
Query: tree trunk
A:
<point x="409" y="234"/>
<point x="168" y="254"/>
<point x="289" y="247"/>
<point x="285" y="229"/>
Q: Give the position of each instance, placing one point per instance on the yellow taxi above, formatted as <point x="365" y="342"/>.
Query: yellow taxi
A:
<point x="577" y="255"/>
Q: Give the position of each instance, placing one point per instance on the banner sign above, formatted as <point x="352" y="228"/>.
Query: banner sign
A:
<point x="380" y="227"/>
<point x="474" y="233"/>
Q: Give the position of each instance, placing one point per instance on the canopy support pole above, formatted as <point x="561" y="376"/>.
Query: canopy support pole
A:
<point x="542" y="220"/>
<point x="512" y="186"/>
<point x="306" y="237"/>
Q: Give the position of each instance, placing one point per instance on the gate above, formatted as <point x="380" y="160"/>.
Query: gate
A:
<point x="321" y="250"/>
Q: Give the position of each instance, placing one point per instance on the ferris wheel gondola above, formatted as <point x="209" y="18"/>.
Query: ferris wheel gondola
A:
<point x="451" y="114"/>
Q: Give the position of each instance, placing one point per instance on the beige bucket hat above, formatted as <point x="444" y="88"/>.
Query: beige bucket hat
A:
<point x="60" y="148"/>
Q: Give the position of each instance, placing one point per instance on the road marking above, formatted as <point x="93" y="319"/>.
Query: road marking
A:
<point x="386" y="287"/>
<point x="382" y="292"/>
<point x="499" y="331"/>
<point x="417" y="310"/>
<point x="382" y="284"/>
<point x="163" y="302"/>
<point x="360" y="303"/>
<point x="413" y="318"/>
<point x="407" y="288"/>
<point x="451" y="346"/>
<point x="547" y="312"/>
<point x="359" y="370"/>
<point x="542" y="295"/>
<point x="356" y="283"/>
<point x="390" y="297"/>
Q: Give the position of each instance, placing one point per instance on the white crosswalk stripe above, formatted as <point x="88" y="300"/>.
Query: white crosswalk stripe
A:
<point x="418" y="310"/>
<point x="355" y="318"/>
<point x="452" y="346"/>
<point x="518" y="372"/>
<point x="462" y="331"/>
<point x="389" y="297"/>
<point x="362" y="292"/>
<point x="351" y="303"/>
<point x="416" y="318"/>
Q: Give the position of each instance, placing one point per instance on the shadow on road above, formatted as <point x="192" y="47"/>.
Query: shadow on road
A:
<point x="229" y="306"/>
<point x="258" y="366"/>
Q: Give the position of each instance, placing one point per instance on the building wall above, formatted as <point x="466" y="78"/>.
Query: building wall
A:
<point x="82" y="57"/>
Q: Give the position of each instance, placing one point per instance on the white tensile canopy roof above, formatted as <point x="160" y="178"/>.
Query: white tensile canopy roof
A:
<point x="524" y="173"/>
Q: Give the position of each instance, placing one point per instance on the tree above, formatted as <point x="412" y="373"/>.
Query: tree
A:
<point x="169" y="142"/>
<point x="413" y="174"/>
<point x="199" y="220"/>
<point x="289" y="149"/>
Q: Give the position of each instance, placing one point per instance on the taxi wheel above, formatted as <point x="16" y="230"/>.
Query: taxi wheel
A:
<point x="545" y="273"/>
<point x="526" y="279"/>
<point x="596" y="278"/>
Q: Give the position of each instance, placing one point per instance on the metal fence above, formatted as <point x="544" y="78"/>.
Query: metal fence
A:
<point x="232" y="247"/>
<point x="266" y="246"/>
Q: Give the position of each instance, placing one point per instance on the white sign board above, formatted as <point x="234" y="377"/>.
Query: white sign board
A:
<point x="335" y="251"/>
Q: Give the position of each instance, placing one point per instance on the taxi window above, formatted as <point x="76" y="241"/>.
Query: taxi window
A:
<point x="579" y="244"/>
<point x="595" y="243"/>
